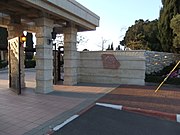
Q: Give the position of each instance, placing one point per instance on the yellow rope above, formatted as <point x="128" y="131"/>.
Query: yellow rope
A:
<point x="167" y="76"/>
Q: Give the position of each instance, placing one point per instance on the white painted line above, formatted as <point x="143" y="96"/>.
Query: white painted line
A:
<point x="178" y="117"/>
<point x="65" y="122"/>
<point x="118" y="107"/>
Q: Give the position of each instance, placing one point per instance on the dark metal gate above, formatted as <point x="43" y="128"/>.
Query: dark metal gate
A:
<point x="58" y="65"/>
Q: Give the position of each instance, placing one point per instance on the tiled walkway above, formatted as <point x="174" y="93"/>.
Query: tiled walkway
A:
<point x="35" y="114"/>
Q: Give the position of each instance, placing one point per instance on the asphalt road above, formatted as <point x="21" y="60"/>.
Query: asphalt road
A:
<point x="106" y="121"/>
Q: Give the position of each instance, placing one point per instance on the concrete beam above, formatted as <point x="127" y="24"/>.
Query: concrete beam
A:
<point x="68" y="10"/>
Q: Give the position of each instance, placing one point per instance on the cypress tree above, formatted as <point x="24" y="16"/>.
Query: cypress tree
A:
<point x="170" y="8"/>
<point x="175" y="25"/>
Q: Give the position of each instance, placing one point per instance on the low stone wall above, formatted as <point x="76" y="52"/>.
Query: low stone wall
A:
<point x="156" y="61"/>
<point x="112" y="67"/>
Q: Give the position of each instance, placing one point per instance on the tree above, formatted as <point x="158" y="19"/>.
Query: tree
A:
<point x="151" y="33"/>
<point x="118" y="48"/>
<point x="109" y="48"/>
<point x="175" y="25"/>
<point x="3" y="38"/>
<point x="142" y="35"/>
<point x="102" y="43"/>
<point x="134" y="37"/>
<point x="81" y="39"/>
<point x="169" y="9"/>
<point x="112" y="48"/>
<point x="29" y="46"/>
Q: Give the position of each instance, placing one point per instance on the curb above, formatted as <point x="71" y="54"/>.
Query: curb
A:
<point x="58" y="127"/>
<point x="162" y="115"/>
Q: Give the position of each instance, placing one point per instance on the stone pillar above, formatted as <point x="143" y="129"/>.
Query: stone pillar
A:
<point x="15" y="30"/>
<point x="70" y="56"/>
<point x="44" y="56"/>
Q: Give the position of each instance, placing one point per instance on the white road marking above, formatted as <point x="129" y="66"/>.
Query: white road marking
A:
<point x="178" y="117"/>
<point x="65" y="122"/>
<point x="118" y="107"/>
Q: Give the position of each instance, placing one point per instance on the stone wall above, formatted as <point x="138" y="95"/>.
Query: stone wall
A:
<point x="112" y="67"/>
<point x="131" y="70"/>
<point x="156" y="61"/>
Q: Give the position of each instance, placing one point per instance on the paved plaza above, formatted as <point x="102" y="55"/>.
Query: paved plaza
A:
<point x="35" y="114"/>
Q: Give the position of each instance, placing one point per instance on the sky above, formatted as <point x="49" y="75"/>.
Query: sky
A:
<point x="115" y="18"/>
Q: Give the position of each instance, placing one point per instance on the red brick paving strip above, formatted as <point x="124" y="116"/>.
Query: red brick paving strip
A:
<point x="164" y="103"/>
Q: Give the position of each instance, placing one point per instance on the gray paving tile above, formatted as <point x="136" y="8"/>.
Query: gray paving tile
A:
<point x="11" y="129"/>
<point x="4" y="126"/>
<point x="4" y="133"/>
<point x="20" y="131"/>
<point x="30" y="126"/>
<point x="32" y="113"/>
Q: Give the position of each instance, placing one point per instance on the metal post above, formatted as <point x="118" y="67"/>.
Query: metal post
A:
<point x="19" y="92"/>
<point x="9" y="61"/>
<point x="55" y="64"/>
<point x="59" y="64"/>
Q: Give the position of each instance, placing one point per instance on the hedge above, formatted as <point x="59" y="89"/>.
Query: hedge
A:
<point x="3" y="63"/>
<point x="30" y="63"/>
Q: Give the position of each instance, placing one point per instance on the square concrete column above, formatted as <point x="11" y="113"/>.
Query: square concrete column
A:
<point x="15" y="30"/>
<point x="44" y="56"/>
<point x="70" y="56"/>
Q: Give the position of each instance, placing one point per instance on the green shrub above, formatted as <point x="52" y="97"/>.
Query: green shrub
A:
<point x="166" y="70"/>
<point x="30" y="63"/>
<point x="3" y="63"/>
<point x="158" y="77"/>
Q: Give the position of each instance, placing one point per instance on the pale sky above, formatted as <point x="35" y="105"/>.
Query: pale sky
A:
<point x="115" y="18"/>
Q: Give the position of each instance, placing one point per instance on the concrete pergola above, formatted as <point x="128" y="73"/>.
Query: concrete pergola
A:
<point x="41" y="16"/>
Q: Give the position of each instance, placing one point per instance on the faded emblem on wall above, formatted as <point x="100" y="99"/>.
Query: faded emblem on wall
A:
<point x="109" y="61"/>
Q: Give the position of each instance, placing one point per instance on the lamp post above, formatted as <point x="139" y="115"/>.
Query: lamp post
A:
<point x="22" y="39"/>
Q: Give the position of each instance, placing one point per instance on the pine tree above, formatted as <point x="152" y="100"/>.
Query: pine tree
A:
<point x="142" y="35"/>
<point x="170" y="8"/>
